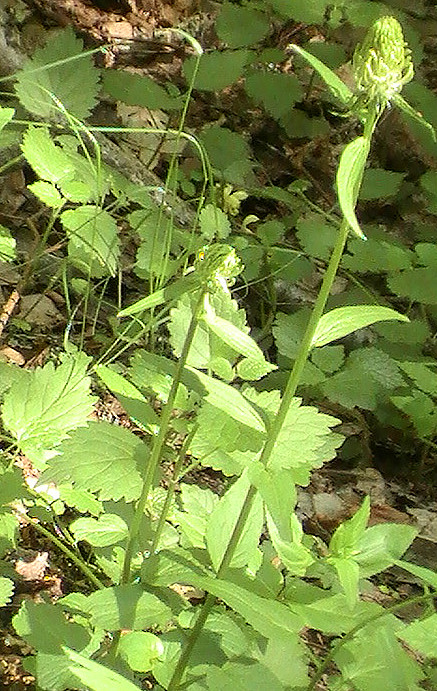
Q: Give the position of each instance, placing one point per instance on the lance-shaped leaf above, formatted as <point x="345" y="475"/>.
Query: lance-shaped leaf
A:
<point x="234" y="337"/>
<point x="96" y="676"/>
<point x="174" y="291"/>
<point x="338" y="88"/>
<point x="344" y="320"/>
<point x="349" y="176"/>
<point x="6" y="115"/>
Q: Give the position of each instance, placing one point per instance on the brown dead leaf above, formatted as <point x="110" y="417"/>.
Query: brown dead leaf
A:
<point x="39" y="310"/>
<point x="34" y="569"/>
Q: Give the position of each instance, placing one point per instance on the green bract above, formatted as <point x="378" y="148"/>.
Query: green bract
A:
<point x="218" y="264"/>
<point x="382" y="63"/>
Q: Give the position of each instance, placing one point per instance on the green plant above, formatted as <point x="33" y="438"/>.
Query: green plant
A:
<point x="145" y="541"/>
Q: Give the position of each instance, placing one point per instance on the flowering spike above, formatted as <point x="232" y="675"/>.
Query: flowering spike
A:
<point x="382" y="64"/>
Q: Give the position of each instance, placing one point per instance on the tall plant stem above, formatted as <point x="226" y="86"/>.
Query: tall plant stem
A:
<point x="155" y="455"/>
<point x="274" y="431"/>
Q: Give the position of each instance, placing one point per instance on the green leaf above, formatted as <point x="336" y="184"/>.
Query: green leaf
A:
<point x="305" y="441"/>
<point x="140" y="649"/>
<point x="80" y="499"/>
<point x="174" y="291"/>
<point x="6" y="115"/>
<point x="344" y="320"/>
<point x="214" y="223"/>
<point x="106" y="530"/>
<point x="421" y="635"/>
<point x="138" y="90"/>
<point x="43" y="408"/>
<point x="375" y="661"/>
<point x="47" y="159"/>
<point x="74" y="82"/>
<point x="426" y="575"/>
<point x="380" y="184"/>
<point x="7" y="245"/>
<point x="376" y="256"/>
<point x="101" y="458"/>
<point x="381" y="546"/>
<point x="45" y="627"/>
<point x="95" y="675"/>
<point x="221" y="523"/>
<point x="348" y="574"/>
<point x="224" y="147"/>
<point x="349" y="175"/>
<point x="277" y="92"/>
<point x="418" y="285"/>
<point x="126" y="607"/>
<point x="47" y="194"/>
<point x="198" y="504"/>
<point x="345" y="541"/>
<point x="216" y="70"/>
<point x="236" y="676"/>
<point x="241" y="26"/>
<point x="154" y="374"/>
<point x="227" y="399"/>
<point x="270" y="618"/>
<point x="132" y="400"/>
<point x="8" y="532"/>
<point x="307" y="11"/>
<point x="6" y="591"/>
<point x="334" y="83"/>
<point x="234" y="337"/>
<point x="94" y="246"/>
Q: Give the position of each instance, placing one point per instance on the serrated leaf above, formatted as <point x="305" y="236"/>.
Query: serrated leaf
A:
<point x="74" y="82"/>
<point x="214" y="223"/>
<point x="6" y="115"/>
<point x="132" y="400"/>
<point x="277" y="92"/>
<point x="95" y="675"/>
<point x="229" y="400"/>
<point x="334" y="83"/>
<point x="126" y="607"/>
<point x="140" y="649"/>
<point x="7" y="245"/>
<point x="47" y="159"/>
<point x="80" y="499"/>
<point x="349" y="175"/>
<point x="345" y="320"/>
<point x="221" y="523"/>
<point x="45" y="627"/>
<point x="305" y="441"/>
<point x="233" y="675"/>
<point x="380" y="184"/>
<point x="308" y="11"/>
<point x="8" y="532"/>
<point x="138" y="90"/>
<point x="344" y="542"/>
<point x="106" y="530"/>
<point x="101" y="458"/>
<point x="43" y="408"/>
<point x="421" y="635"/>
<point x="6" y="591"/>
<point x="94" y="246"/>
<point x="376" y="256"/>
<point x="224" y="147"/>
<point x="418" y="285"/>
<point x="216" y="70"/>
<point x="198" y="503"/>
<point x="47" y="193"/>
<point x="270" y="618"/>
<point x="240" y="26"/>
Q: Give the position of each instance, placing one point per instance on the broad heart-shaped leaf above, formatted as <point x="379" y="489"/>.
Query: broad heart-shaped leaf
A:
<point x="106" y="530"/>
<point x="374" y="660"/>
<point x="305" y="441"/>
<point x="241" y="26"/>
<point x="95" y="675"/>
<point x="344" y="320"/>
<point x="126" y="607"/>
<point x="138" y="90"/>
<point x="43" y="408"/>
<point x="338" y="88"/>
<point x="270" y="618"/>
<point x="101" y="458"/>
<point x="216" y="70"/>
<point x="221" y="523"/>
<point x="93" y="245"/>
<point x="74" y="82"/>
<point x="48" y="160"/>
<point x="349" y="175"/>
<point x="229" y="400"/>
<point x="276" y="91"/>
<point x="6" y="590"/>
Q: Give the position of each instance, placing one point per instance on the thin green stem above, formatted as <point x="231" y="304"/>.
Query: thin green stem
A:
<point x="68" y="553"/>
<point x="158" y="445"/>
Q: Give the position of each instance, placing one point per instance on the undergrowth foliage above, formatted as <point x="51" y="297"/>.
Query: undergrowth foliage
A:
<point x="211" y="395"/>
